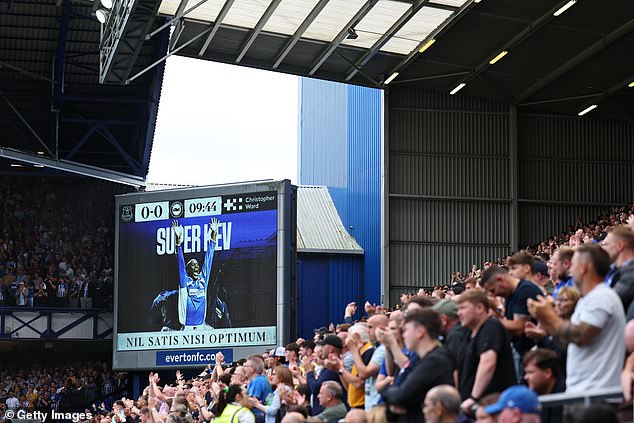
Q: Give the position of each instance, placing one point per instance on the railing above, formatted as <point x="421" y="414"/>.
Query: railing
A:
<point x="553" y="400"/>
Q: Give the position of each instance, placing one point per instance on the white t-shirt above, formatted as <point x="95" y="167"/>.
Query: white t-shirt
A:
<point x="598" y="364"/>
<point x="12" y="403"/>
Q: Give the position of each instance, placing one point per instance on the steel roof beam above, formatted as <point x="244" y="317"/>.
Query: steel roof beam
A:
<point x="576" y="61"/>
<point x="26" y="123"/>
<point x="513" y="42"/>
<point x="258" y="28"/>
<point x="400" y="23"/>
<point x="216" y="25"/>
<point x="367" y="6"/>
<point x="300" y="31"/>
<point x="609" y="92"/>
<point x="447" y="23"/>
<point x="428" y="77"/>
<point x="74" y="167"/>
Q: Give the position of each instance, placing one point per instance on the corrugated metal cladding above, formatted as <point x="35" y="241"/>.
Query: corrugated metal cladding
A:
<point x="319" y="227"/>
<point x="449" y="178"/>
<point x="569" y="168"/>
<point x="451" y="181"/>
<point x="326" y="284"/>
<point x="541" y="221"/>
<point x="340" y="147"/>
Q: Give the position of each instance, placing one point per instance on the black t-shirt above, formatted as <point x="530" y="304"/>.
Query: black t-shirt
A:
<point x="516" y="303"/>
<point x="367" y="356"/>
<point x="435" y="368"/>
<point x="491" y="336"/>
<point x="456" y="340"/>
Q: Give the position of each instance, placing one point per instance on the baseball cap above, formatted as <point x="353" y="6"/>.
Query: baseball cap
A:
<point x="334" y="341"/>
<point x="518" y="396"/>
<point x="540" y="267"/>
<point x="322" y="330"/>
<point x="280" y="351"/>
<point x="446" y="307"/>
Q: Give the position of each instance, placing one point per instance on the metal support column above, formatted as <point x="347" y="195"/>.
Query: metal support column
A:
<point x="385" y="202"/>
<point x="513" y="180"/>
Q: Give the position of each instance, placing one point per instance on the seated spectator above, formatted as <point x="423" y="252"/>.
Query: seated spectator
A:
<point x="331" y="349"/>
<point x="481" y="415"/>
<point x="330" y="400"/>
<point x="442" y="404"/>
<point x="596" y="325"/>
<point x="516" y="404"/>
<point x="355" y="416"/>
<point x="542" y="373"/>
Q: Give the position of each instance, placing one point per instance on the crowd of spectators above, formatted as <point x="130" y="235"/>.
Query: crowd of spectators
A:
<point x="57" y="242"/>
<point x="551" y="318"/>
<point x="60" y="387"/>
<point x="542" y="321"/>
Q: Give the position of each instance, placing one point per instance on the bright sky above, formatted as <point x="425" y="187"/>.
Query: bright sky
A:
<point x="220" y="123"/>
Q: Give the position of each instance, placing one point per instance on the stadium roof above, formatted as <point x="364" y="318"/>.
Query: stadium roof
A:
<point x="54" y="112"/>
<point x="54" y="54"/>
<point x="557" y="60"/>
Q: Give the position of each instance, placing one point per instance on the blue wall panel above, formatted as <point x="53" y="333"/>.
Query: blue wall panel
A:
<point x="340" y="147"/>
<point x="325" y="285"/>
<point x="312" y="293"/>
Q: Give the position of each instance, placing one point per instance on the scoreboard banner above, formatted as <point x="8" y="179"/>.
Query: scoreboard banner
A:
<point x="197" y="269"/>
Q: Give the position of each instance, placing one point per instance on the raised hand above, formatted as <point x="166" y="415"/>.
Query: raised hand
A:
<point x="351" y="309"/>
<point x="213" y="225"/>
<point x="178" y="232"/>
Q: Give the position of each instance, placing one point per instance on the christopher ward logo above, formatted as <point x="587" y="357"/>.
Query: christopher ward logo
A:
<point x="249" y="202"/>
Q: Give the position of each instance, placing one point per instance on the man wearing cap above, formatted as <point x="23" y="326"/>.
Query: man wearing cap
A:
<point x="452" y="331"/>
<point x="517" y="404"/>
<point x="540" y="276"/>
<point x="331" y="349"/>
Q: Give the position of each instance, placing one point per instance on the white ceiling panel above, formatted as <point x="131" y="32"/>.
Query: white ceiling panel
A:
<point x="289" y="15"/>
<point x="208" y="11"/>
<point x="416" y="30"/>
<point x="246" y="13"/>
<point x="377" y="22"/>
<point x="333" y="19"/>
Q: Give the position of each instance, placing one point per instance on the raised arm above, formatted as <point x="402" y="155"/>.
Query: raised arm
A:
<point x="182" y="270"/>
<point x="209" y="254"/>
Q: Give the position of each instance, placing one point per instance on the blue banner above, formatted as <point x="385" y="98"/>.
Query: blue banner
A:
<point x="189" y="357"/>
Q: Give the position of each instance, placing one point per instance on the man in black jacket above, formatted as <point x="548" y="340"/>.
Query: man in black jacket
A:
<point x="619" y="244"/>
<point x="434" y="367"/>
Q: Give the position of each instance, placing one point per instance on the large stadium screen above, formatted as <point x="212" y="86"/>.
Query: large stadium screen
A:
<point x="200" y="271"/>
